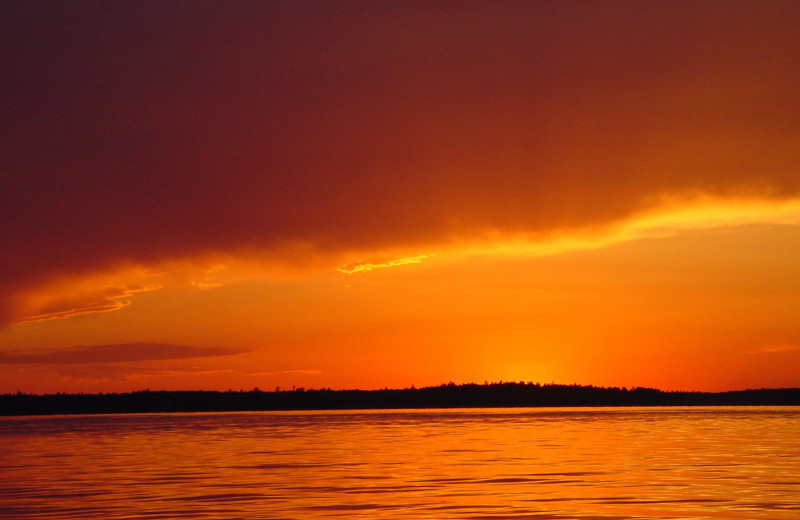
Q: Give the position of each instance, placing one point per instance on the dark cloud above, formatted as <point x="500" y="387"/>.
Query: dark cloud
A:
<point x="139" y="132"/>
<point x="118" y="353"/>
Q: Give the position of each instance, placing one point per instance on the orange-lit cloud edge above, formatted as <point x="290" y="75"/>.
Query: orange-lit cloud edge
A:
<point x="115" y="289"/>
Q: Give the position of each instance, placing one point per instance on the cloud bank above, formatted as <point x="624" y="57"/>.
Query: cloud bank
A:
<point x="143" y="134"/>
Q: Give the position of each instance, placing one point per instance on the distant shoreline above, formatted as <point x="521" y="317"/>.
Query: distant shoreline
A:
<point x="488" y="395"/>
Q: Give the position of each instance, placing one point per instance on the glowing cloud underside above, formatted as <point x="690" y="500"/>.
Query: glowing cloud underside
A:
<point x="665" y="221"/>
<point x="108" y="299"/>
<point x="669" y="218"/>
<point x="361" y="267"/>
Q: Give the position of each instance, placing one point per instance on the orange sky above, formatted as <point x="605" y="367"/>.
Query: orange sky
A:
<point x="359" y="194"/>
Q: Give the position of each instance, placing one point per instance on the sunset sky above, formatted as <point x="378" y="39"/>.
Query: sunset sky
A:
<point x="361" y="194"/>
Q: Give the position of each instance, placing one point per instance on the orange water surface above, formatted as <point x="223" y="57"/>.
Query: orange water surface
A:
<point x="599" y="464"/>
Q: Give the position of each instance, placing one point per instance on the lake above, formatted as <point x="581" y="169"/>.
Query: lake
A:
<point x="480" y="464"/>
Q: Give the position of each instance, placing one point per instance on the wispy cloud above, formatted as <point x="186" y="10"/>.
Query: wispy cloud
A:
<point x="144" y="372"/>
<point x="106" y="300"/>
<point x="204" y="285"/>
<point x="361" y="267"/>
<point x="116" y="353"/>
<point x="281" y="372"/>
<point x="775" y="349"/>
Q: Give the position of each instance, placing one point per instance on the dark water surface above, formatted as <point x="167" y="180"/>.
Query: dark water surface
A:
<point x="590" y="463"/>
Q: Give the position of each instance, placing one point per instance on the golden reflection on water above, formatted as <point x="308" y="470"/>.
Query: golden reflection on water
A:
<point x="619" y="463"/>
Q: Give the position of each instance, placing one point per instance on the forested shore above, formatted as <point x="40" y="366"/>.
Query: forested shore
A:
<point x="450" y="395"/>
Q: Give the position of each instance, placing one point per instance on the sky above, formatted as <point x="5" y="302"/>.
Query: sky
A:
<point x="215" y="195"/>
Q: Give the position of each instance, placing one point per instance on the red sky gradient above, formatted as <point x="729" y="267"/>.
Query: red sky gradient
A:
<point x="214" y="195"/>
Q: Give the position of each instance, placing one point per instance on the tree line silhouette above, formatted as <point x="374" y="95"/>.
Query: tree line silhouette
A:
<point x="449" y="395"/>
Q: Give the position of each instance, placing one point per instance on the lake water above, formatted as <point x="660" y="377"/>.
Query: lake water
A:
<point x="489" y="464"/>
